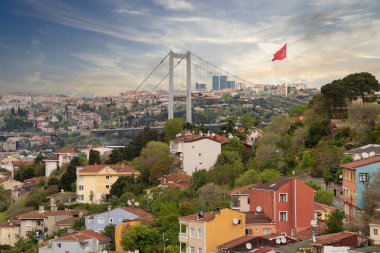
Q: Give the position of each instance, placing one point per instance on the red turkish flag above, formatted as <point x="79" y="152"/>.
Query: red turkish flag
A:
<point x="280" y="54"/>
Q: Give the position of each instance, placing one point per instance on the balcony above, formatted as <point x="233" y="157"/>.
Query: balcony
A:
<point x="183" y="237"/>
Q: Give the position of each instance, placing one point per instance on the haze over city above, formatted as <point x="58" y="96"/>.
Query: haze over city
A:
<point x="100" y="47"/>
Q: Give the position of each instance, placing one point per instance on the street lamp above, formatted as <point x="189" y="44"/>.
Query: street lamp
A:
<point x="164" y="240"/>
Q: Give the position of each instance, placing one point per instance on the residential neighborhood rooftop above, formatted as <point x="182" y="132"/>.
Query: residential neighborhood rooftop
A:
<point x="115" y="167"/>
<point x="82" y="236"/>
<point x="256" y="218"/>
<point x="331" y="238"/>
<point x="361" y="163"/>
<point x="242" y="190"/>
<point x="272" y="186"/>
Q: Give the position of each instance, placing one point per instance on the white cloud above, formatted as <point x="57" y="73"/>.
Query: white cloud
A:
<point x="174" y="4"/>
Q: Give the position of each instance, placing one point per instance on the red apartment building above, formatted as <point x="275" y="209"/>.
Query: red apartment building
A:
<point x="288" y="202"/>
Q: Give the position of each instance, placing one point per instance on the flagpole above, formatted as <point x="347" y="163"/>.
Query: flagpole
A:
<point x="286" y="75"/>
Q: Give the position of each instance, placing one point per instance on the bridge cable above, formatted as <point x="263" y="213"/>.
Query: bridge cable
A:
<point x="151" y="73"/>
<point x="167" y="74"/>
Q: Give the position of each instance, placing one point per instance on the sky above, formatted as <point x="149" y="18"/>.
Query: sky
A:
<point x="103" y="47"/>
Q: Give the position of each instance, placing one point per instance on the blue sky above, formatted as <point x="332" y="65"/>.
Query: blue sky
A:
<point x="103" y="47"/>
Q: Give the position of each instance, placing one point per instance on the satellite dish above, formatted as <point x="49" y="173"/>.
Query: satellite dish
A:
<point x="87" y="249"/>
<point x="129" y="202"/>
<point x="278" y="241"/>
<point x="258" y="209"/>
<point x="137" y="203"/>
<point x="283" y="239"/>
<point x="248" y="245"/>
<point x="372" y="153"/>
<point x="235" y="221"/>
<point x="365" y="155"/>
<point x="356" y="157"/>
<point x="313" y="223"/>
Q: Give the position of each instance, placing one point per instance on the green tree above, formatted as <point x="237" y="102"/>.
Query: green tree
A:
<point x="25" y="172"/>
<point x="250" y="176"/>
<point x="5" y="199"/>
<point x="70" y="176"/>
<point x="198" y="179"/>
<point x="94" y="157"/>
<point x="324" y="196"/>
<point x="155" y="157"/>
<point x="211" y="196"/>
<point x="109" y="231"/>
<point x="172" y="127"/>
<point x="234" y="145"/>
<point x="269" y="175"/>
<point x="140" y="237"/>
<point x="361" y="85"/>
<point x="335" y="222"/>
<point x="371" y="200"/>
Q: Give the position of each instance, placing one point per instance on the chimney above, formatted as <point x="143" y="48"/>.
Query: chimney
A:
<point x="41" y="209"/>
<point x="165" y="179"/>
<point x="200" y="215"/>
<point x="109" y="208"/>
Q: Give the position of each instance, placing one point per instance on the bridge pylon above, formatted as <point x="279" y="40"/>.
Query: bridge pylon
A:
<point x="175" y="92"/>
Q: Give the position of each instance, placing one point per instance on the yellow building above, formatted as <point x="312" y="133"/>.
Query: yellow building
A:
<point x="257" y="224"/>
<point x="202" y="233"/>
<point x="374" y="231"/>
<point x="322" y="211"/>
<point x="94" y="181"/>
<point x="144" y="218"/>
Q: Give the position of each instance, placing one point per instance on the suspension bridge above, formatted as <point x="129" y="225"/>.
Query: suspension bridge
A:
<point x="186" y="70"/>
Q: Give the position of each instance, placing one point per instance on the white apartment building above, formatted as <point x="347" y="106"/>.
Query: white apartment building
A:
<point x="197" y="151"/>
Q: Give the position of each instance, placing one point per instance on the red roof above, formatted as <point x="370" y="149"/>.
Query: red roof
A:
<point x="242" y="190"/>
<point x="272" y="186"/>
<point x="66" y="151"/>
<point x="66" y="222"/>
<point x="236" y="242"/>
<point x="194" y="137"/>
<point x="176" y="180"/>
<point x="115" y="167"/>
<point x="21" y="163"/>
<point x="375" y="221"/>
<point x="306" y="233"/>
<point x="323" y="207"/>
<point x="52" y="158"/>
<point x="82" y="236"/>
<point x="9" y="224"/>
<point x="42" y="214"/>
<point x="209" y="216"/>
<point x="333" y="238"/>
<point x="143" y="215"/>
<point x="361" y="163"/>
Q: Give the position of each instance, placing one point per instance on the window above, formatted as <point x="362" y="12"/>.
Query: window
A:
<point x="107" y="186"/>
<point x="200" y="250"/>
<point x="183" y="247"/>
<point x="292" y="232"/>
<point x="90" y="220"/>
<point x="319" y="249"/>
<point x="375" y="231"/>
<point x="283" y="216"/>
<point x="110" y="220"/>
<point x="80" y="178"/>
<point x="266" y="231"/>
<point x="363" y="177"/>
<point x="192" y="232"/>
<point x="248" y="231"/>
<point x="101" y="220"/>
<point x="200" y="234"/>
<point x="192" y="250"/>
<point x="283" y="197"/>
<point x="107" y="177"/>
<point x="81" y="187"/>
<point x="59" y="245"/>
<point x="80" y="197"/>
<point x="183" y="229"/>
<point x="248" y="201"/>
<point x="200" y="154"/>
<point x="28" y="223"/>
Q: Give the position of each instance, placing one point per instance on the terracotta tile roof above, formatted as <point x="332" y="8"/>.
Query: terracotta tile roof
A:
<point x="12" y="223"/>
<point x="323" y="207"/>
<point x="176" y="180"/>
<point x="82" y="236"/>
<point x="360" y="163"/>
<point x="218" y="138"/>
<point x="257" y="218"/>
<point x="22" y="163"/>
<point x="332" y="238"/>
<point x="54" y="158"/>
<point x="236" y="242"/>
<point x="66" y="222"/>
<point x="194" y="137"/>
<point x="306" y="233"/>
<point x="242" y="190"/>
<point x="209" y="216"/>
<point x="375" y="221"/>
<point x="143" y="215"/>
<point x="66" y="151"/>
<point x="273" y="186"/>
<point x="115" y="167"/>
<point x="42" y="214"/>
<point x="264" y="249"/>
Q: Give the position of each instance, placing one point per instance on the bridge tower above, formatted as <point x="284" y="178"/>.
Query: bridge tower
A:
<point x="174" y="92"/>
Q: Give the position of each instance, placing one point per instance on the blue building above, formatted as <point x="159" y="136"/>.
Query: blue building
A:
<point x="356" y="176"/>
<point x="231" y="84"/>
<point x="215" y="83"/>
<point x="98" y="222"/>
<point x="200" y="86"/>
<point x="223" y="82"/>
